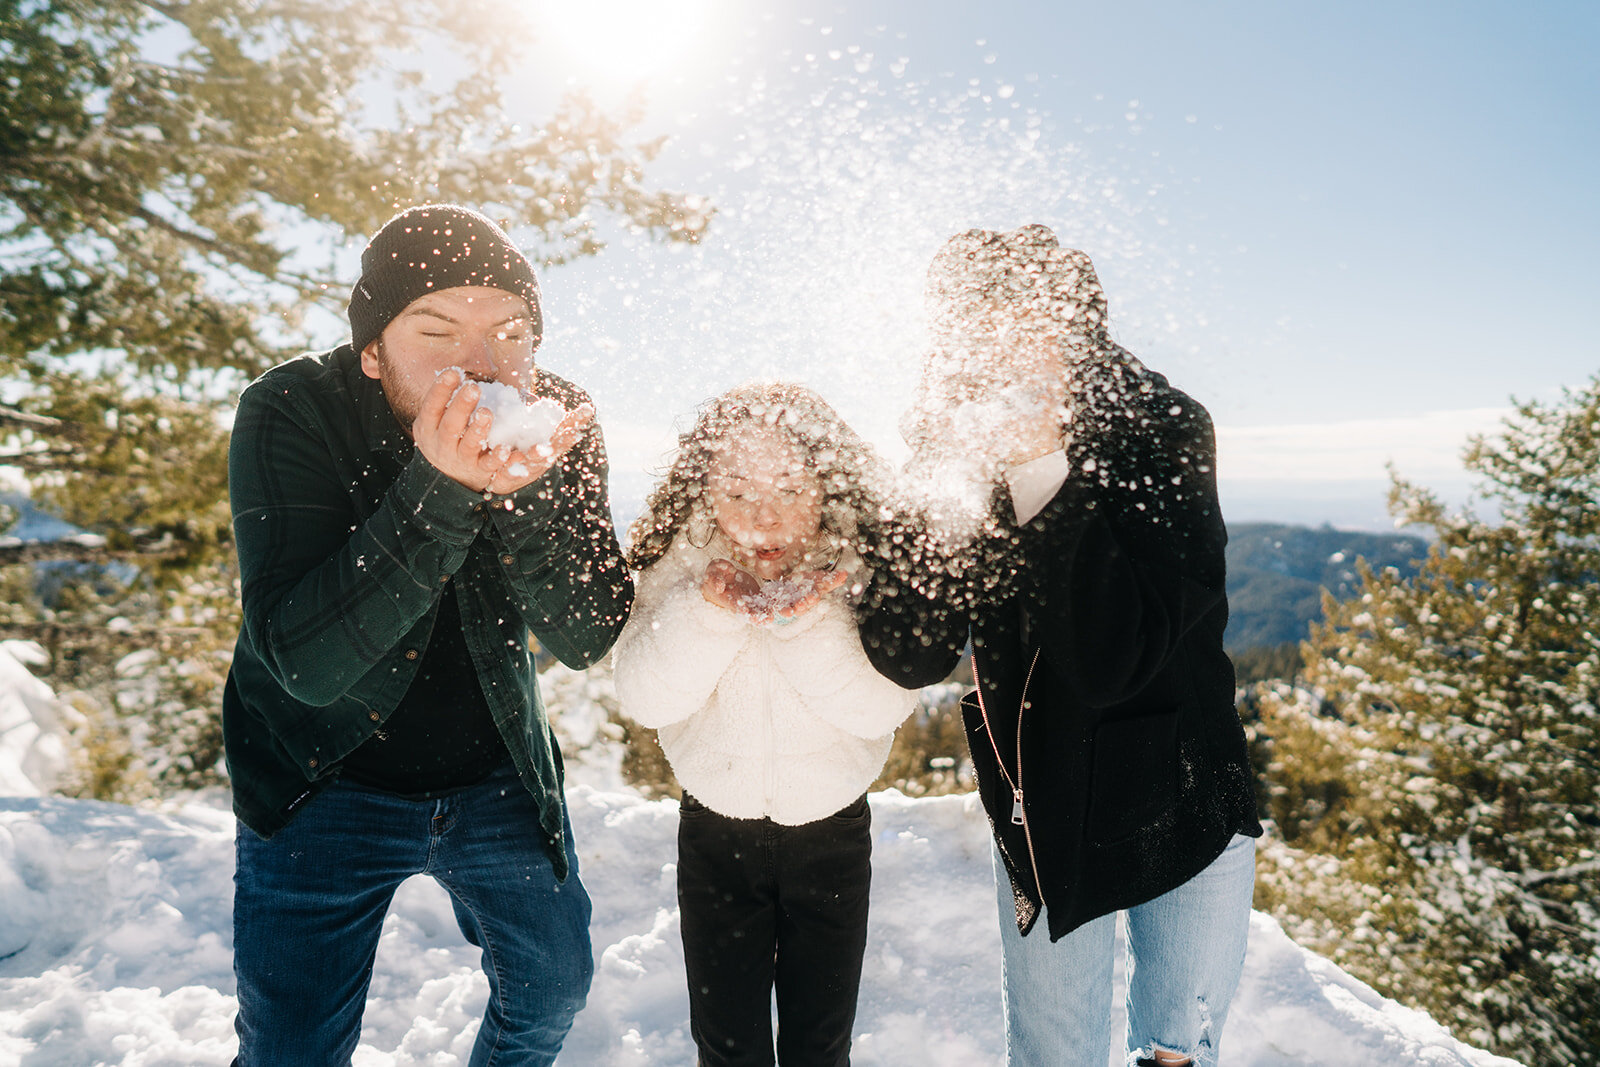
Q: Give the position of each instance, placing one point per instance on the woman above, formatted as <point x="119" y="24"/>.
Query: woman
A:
<point x="1102" y="728"/>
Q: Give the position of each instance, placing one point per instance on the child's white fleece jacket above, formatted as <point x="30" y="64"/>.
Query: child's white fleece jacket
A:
<point x="784" y="720"/>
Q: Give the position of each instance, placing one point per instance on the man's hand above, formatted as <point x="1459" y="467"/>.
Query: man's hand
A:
<point x="451" y="432"/>
<point x="520" y="468"/>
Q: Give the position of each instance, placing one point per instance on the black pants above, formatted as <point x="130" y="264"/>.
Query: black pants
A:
<point x="766" y="906"/>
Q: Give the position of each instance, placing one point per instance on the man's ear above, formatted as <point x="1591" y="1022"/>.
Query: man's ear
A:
<point x="369" y="359"/>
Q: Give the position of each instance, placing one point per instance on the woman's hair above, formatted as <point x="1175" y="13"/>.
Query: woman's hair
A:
<point x="975" y="280"/>
<point x="849" y="470"/>
<point x="1025" y="271"/>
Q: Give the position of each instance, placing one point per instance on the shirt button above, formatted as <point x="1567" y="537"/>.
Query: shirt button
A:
<point x="443" y="578"/>
<point x="508" y="559"/>
<point x="312" y="763"/>
<point x="411" y="653"/>
<point x="374" y="716"/>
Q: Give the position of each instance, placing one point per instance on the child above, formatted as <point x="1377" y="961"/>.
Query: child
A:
<point x="743" y="650"/>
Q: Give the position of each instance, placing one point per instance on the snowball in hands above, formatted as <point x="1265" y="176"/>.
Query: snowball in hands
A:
<point x="779" y="595"/>
<point x="518" y="423"/>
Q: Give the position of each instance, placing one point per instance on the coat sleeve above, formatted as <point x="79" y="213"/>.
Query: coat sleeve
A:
<point x="821" y="657"/>
<point x="560" y="558"/>
<point x="675" y="647"/>
<point x="325" y="597"/>
<point x="1128" y="556"/>
<point x="913" y="609"/>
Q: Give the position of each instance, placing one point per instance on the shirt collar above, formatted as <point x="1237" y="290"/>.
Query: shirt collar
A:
<point x="379" y="426"/>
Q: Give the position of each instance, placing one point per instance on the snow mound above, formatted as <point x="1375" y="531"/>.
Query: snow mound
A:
<point x="519" y="423"/>
<point x="32" y="743"/>
<point x="115" y="944"/>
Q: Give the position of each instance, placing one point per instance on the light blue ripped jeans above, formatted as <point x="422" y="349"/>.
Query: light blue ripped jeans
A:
<point x="1185" y="955"/>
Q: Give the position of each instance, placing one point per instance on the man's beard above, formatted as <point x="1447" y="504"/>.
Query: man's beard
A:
<point x="405" y="400"/>
<point x="403" y="393"/>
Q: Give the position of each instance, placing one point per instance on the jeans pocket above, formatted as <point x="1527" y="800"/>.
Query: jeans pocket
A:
<point x="852" y="812"/>
<point x="690" y="808"/>
<point x="1134" y="774"/>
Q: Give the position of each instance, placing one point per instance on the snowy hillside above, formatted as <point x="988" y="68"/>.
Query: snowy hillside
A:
<point x="115" y="947"/>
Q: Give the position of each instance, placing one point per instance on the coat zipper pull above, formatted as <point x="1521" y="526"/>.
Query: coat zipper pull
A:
<point x="1016" y="808"/>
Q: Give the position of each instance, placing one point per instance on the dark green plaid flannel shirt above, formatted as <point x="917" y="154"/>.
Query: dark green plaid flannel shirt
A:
<point x="346" y="536"/>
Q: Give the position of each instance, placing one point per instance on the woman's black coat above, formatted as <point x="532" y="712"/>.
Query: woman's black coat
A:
<point x="1096" y="628"/>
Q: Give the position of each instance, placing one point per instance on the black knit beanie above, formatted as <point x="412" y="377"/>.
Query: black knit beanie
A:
<point x="432" y="247"/>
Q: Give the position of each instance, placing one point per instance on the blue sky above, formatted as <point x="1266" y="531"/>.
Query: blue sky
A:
<point x="1352" y="230"/>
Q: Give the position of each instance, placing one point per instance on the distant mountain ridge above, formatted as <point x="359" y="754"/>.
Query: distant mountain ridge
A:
<point x="1276" y="574"/>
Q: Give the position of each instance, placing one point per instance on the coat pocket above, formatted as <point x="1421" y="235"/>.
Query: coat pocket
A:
<point x="1134" y="774"/>
<point x="983" y="749"/>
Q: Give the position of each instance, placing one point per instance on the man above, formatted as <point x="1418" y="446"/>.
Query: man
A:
<point x="382" y="717"/>
<point x="1102" y="727"/>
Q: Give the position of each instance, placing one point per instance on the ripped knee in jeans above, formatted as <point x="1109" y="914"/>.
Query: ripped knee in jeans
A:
<point x="1166" y="1057"/>
<point x="1161" y="1054"/>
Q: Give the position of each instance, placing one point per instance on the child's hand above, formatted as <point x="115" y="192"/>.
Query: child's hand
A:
<point x="814" y="585"/>
<point x="727" y="586"/>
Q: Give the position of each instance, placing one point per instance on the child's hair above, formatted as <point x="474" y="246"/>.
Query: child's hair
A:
<point x="848" y="468"/>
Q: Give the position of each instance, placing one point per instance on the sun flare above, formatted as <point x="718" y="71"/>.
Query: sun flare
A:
<point x="625" y="40"/>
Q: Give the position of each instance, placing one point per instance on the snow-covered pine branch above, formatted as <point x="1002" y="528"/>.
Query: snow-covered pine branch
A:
<point x="1531" y="879"/>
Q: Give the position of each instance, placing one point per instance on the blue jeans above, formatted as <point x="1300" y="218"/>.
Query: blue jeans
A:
<point x="309" y="905"/>
<point x="1185" y="955"/>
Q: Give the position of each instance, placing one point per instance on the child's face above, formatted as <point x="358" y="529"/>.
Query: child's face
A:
<point x="766" y="501"/>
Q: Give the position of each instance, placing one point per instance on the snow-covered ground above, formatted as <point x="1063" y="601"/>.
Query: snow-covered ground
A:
<point x="115" y="941"/>
<point x="33" y="747"/>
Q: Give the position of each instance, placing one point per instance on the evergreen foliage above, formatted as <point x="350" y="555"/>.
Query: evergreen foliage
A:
<point x="161" y="162"/>
<point x="1265" y="663"/>
<point x="929" y="756"/>
<point x="1437" y="788"/>
<point x="177" y="180"/>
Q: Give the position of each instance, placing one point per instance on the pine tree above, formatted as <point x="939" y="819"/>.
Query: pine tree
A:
<point x="160" y="161"/>
<point x="176" y="180"/>
<point x="1452" y="770"/>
